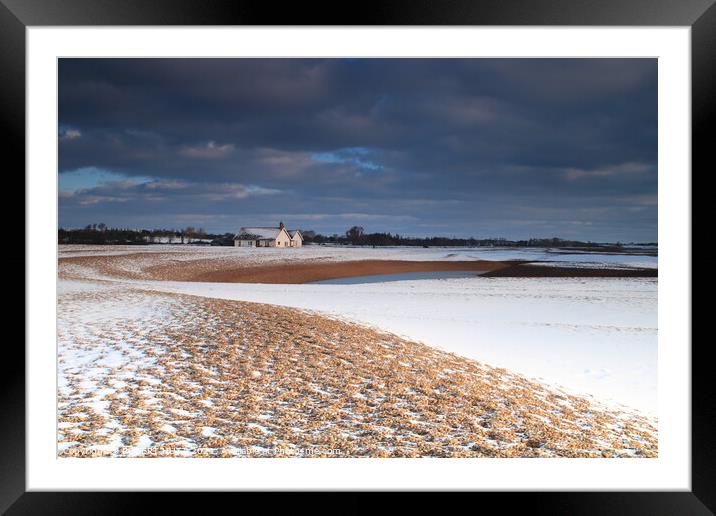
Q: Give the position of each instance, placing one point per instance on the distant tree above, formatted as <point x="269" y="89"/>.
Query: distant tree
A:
<point x="355" y="234"/>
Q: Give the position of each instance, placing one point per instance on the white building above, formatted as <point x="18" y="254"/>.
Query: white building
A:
<point x="268" y="237"/>
<point x="296" y="238"/>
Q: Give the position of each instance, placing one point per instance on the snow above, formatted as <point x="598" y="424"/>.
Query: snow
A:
<point x="401" y="276"/>
<point x="140" y="448"/>
<point x="596" y="261"/>
<point x="594" y="336"/>
<point x="342" y="253"/>
<point x="208" y="431"/>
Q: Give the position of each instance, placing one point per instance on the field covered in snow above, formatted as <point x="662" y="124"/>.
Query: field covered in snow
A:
<point x="346" y="253"/>
<point x="593" y="336"/>
<point x="140" y="360"/>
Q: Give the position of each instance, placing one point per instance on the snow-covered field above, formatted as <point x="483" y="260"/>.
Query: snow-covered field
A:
<point x="589" y="336"/>
<point x="344" y="253"/>
<point x="593" y="336"/>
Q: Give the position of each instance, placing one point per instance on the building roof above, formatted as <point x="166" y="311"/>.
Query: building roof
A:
<point x="258" y="233"/>
<point x="264" y="233"/>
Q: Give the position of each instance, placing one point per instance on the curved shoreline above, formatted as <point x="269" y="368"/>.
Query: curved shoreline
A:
<point x="281" y="367"/>
<point x="222" y="270"/>
<point x="308" y="272"/>
<point x="201" y="377"/>
<point x="529" y="270"/>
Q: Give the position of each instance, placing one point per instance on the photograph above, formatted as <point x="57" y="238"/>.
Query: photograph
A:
<point x="368" y="257"/>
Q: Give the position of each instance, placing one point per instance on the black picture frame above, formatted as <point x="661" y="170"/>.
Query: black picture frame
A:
<point x="700" y="15"/>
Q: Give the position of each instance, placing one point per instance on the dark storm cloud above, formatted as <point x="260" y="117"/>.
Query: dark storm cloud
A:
<point x="483" y="147"/>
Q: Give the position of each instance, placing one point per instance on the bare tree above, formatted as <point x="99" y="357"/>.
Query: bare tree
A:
<point x="354" y="234"/>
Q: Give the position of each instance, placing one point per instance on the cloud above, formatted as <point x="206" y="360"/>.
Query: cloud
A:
<point x="165" y="184"/>
<point x="228" y="191"/>
<point x="66" y="133"/>
<point x="132" y="191"/>
<point x="91" y="177"/>
<point x="484" y="143"/>
<point x="209" y="151"/>
<point x="71" y="134"/>
<point x="622" y="169"/>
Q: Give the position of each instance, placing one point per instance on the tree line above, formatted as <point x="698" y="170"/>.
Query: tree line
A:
<point x="357" y="236"/>
<point x="101" y="234"/>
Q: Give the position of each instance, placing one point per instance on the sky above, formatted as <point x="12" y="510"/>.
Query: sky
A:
<point x="513" y="148"/>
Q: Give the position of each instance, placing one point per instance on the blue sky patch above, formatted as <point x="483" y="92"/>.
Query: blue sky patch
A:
<point x="356" y="156"/>
<point x="91" y="177"/>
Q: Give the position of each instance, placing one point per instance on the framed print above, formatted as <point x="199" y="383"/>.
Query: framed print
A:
<point x="418" y="249"/>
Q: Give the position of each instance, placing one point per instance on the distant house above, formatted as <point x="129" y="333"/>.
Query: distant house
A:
<point x="296" y="238"/>
<point x="268" y="237"/>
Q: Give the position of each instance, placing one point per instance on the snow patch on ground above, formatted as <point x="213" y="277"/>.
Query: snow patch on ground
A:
<point x="143" y="256"/>
<point x="560" y="330"/>
<point x="594" y="336"/>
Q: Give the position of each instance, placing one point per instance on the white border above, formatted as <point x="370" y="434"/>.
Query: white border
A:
<point x="670" y="471"/>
